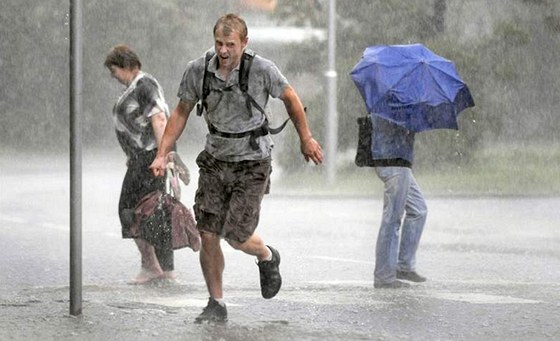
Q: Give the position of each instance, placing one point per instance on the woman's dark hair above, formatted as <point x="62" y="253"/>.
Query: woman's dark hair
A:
<point x="123" y="57"/>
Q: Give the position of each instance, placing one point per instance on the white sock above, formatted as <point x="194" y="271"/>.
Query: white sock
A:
<point x="269" y="258"/>
<point x="220" y="301"/>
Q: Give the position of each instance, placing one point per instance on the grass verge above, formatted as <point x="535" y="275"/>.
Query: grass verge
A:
<point x="499" y="170"/>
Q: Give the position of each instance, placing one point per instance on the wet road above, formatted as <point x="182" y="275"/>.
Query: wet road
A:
<point x="493" y="266"/>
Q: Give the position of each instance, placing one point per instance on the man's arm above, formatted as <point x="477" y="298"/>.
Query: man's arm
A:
<point x="173" y="129"/>
<point x="310" y="148"/>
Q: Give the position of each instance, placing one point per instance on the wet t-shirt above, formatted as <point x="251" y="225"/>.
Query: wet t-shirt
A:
<point x="227" y="106"/>
<point x="132" y="114"/>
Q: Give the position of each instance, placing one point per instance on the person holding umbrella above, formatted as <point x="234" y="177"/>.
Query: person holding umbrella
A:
<point x="393" y="156"/>
<point x="406" y="89"/>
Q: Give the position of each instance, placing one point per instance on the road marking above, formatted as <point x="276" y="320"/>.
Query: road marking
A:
<point x="174" y="302"/>
<point x="475" y="298"/>
<point x="495" y="282"/>
<point x="113" y="235"/>
<point x="343" y="282"/>
<point x="342" y="260"/>
<point x="11" y="219"/>
<point x="18" y="220"/>
<point x="55" y="226"/>
<point x="179" y="303"/>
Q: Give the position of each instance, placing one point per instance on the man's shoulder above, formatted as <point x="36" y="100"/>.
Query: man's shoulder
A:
<point x="194" y="68"/>
<point x="197" y="62"/>
<point x="262" y="62"/>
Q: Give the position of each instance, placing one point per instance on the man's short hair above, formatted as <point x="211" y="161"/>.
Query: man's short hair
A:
<point x="232" y="22"/>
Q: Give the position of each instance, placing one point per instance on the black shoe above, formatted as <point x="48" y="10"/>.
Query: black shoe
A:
<point x="214" y="312"/>
<point x="391" y="285"/>
<point x="271" y="281"/>
<point x="410" y="276"/>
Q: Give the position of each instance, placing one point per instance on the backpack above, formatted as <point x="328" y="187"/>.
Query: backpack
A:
<point x="244" y="69"/>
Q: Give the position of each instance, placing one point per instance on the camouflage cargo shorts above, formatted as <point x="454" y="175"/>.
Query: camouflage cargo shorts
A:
<point x="229" y="195"/>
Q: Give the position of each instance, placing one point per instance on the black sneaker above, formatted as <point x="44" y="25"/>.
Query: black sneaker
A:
<point x="391" y="285"/>
<point x="214" y="312"/>
<point x="410" y="276"/>
<point x="271" y="281"/>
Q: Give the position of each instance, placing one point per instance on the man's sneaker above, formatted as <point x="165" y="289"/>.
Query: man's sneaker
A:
<point x="214" y="312"/>
<point x="271" y="281"/>
<point x="410" y="276"/>
<point x="391" y="285"/>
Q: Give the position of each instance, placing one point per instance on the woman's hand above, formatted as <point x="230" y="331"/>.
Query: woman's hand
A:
<point x="158" y="166"/>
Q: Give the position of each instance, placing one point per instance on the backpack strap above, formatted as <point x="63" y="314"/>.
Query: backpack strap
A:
<point x="202" y="105"/>
<point x="263" y="130"/>
<point x="244" y="69"/>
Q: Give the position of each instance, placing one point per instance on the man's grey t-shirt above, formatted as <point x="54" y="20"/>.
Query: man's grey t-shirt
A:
<point x="227" y="107"/>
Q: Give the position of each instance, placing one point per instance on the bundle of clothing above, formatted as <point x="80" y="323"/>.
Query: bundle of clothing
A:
<point x="161" y="219"/>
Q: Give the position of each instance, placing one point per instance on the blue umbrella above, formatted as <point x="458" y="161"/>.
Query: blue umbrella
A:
<point x="411" y="86"/>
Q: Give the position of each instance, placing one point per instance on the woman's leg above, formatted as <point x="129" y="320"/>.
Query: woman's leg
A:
<point x="151" y="268"/>
<point x="131" y="193"/>
<point x="166" y="261"/>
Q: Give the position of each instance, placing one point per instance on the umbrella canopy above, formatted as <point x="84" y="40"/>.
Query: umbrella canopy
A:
<point x="411" y="86"/>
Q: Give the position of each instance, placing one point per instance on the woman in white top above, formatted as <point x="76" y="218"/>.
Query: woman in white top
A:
<point x="140" y="116"/>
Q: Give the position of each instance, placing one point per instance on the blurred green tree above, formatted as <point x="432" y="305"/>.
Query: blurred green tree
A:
<point x="506" y="54"/>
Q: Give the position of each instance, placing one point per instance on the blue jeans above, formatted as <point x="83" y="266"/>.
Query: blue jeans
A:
<point x="401" y="195"/>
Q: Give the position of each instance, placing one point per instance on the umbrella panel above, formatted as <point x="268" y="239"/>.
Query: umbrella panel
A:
<point x="411" y="86"/>
<point x="419" y="117"/>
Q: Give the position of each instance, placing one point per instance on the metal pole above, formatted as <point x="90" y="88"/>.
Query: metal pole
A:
<point x="332" y="115"/>
<point x="75" y="157"/>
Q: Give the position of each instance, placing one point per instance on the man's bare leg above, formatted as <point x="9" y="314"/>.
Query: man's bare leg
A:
<point x="253" y="246"/>
<point x="269" y="262"/>
<point x="212" y="263"/>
